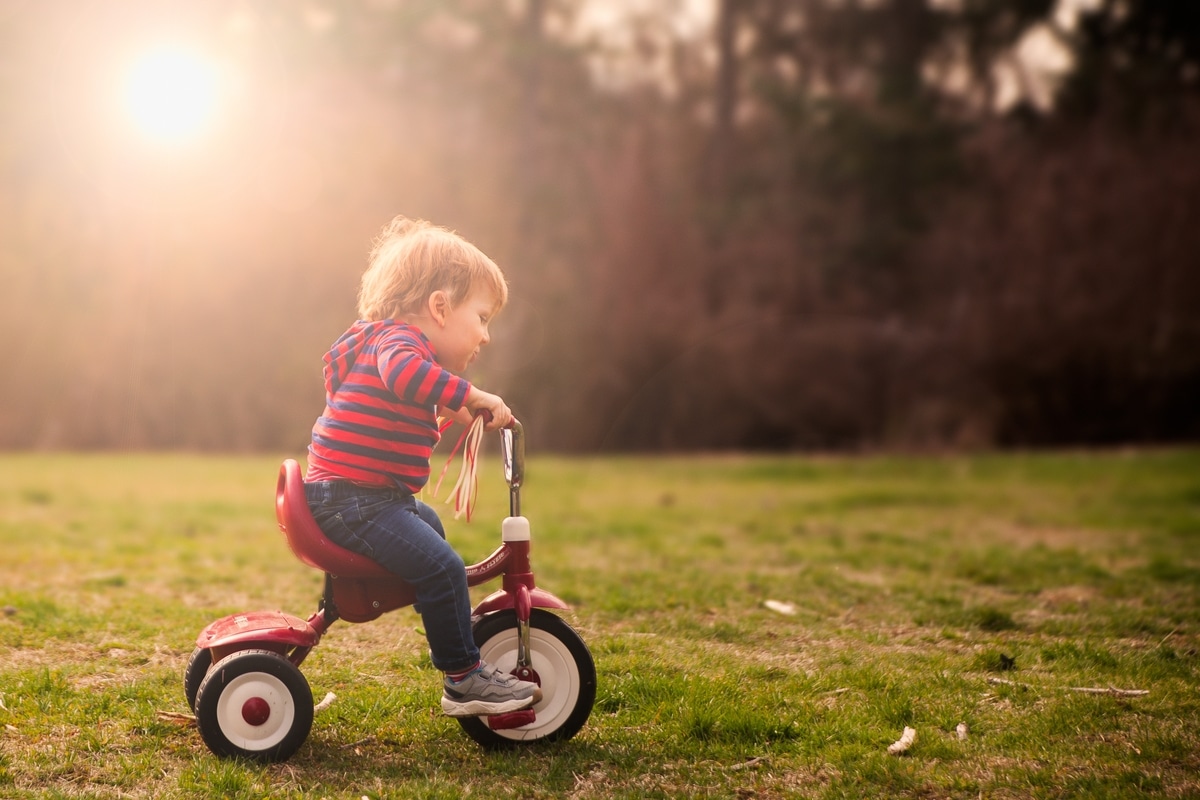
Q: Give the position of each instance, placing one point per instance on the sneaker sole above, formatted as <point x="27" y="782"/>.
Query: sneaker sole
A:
<point x="482" y="708"/>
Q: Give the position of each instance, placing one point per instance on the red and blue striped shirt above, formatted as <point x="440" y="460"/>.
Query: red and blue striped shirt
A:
<point x="383" y="387"/>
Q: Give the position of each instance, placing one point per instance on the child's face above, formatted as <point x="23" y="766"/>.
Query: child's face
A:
<point x="464" y="331"/>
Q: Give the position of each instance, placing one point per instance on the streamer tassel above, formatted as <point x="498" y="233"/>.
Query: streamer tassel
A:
<point x="466" y="488"/>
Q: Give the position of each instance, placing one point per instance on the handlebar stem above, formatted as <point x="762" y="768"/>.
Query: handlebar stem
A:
<point x="512" y="441"/>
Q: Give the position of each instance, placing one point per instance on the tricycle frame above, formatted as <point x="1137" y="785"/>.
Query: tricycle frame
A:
<point x="359" y="590"/>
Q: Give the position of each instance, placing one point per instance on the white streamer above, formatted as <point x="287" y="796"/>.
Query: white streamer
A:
<point x="467" y="486"/>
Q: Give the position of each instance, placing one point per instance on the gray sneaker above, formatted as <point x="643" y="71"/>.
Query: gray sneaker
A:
<point x="487" y="691"/>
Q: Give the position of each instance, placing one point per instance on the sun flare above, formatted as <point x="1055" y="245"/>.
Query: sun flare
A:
<point x="171" y="94"/>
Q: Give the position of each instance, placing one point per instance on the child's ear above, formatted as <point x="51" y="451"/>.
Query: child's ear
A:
<point x="439" y="306"/>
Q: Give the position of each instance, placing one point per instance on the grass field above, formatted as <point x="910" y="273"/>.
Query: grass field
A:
<point x="930" y="592"/>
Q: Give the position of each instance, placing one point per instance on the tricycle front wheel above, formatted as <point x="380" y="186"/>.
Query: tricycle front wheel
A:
<point x="564" y="669"/>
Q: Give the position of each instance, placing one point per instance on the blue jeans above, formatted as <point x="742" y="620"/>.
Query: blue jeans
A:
<point x="405" y="536"/>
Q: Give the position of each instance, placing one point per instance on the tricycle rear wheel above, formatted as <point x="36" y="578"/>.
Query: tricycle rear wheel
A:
<point x="254" y="704"/>
<point x="193" y="674"/>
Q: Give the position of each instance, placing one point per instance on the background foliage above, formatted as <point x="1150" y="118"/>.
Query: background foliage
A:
<point x="764" y="224"/>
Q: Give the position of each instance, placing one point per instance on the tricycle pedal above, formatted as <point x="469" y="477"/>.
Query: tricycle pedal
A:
<point x="515" y="719"/>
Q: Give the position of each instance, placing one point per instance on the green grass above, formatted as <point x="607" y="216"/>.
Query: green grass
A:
<point x="927" y="592"/>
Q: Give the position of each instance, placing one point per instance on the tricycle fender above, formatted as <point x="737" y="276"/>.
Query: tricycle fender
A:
<point x="505" y="599"/>
<point x="270" y="630"/>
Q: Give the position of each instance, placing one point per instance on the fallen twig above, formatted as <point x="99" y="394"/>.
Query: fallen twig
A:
<point x="352" y="745"/>
<point x="176" y="717"/>
<point x="326" y="702"/>
<point x="1111" y="690"/>
<point x="754" y="762"/>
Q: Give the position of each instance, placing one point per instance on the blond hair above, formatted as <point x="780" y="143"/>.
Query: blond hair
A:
<point x="412" y="259"/>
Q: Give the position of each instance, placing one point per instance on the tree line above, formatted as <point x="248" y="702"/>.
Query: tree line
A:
<point x="791" y="224"/>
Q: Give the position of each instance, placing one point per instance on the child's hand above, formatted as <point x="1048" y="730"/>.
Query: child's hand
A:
<point x="479" y="401"/>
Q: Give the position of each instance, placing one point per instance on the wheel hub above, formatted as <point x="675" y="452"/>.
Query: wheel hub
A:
<point x="256" y="711"/>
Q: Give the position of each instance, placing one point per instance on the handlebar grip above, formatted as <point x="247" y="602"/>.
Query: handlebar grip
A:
<point x="488" y="417"/>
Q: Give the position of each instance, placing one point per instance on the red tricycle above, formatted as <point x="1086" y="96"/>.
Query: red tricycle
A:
<point x="243" y="680"/>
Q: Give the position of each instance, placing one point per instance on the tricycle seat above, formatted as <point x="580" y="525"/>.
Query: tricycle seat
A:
<point x="305" y="537"/>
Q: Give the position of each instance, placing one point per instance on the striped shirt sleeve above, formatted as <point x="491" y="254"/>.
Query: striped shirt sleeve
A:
<point x="406" y="369"/>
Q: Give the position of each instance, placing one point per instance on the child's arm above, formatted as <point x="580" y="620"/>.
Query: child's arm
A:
<point x="408" y="372"/>
<point x="460" y="415"/>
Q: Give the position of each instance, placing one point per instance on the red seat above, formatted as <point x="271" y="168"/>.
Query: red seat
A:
<point x="305" y="537"/>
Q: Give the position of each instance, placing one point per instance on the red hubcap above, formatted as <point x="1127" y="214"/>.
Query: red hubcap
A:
<point x="256" y="711"/>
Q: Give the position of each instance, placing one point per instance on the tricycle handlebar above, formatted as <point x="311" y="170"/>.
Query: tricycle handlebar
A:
<point x="512" y="446"/>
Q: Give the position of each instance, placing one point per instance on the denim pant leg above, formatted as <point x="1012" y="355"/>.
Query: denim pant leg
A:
<point x="431" y="518"/>
<point x="406" y="537"/>
<point x="426" y="513"/>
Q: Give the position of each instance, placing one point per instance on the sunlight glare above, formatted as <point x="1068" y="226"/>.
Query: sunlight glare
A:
<point x="171" y="94"/>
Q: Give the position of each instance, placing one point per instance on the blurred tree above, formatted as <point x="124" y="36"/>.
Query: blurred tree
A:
<point x="1140" y="56"/>
<point x="806" y="225"/>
